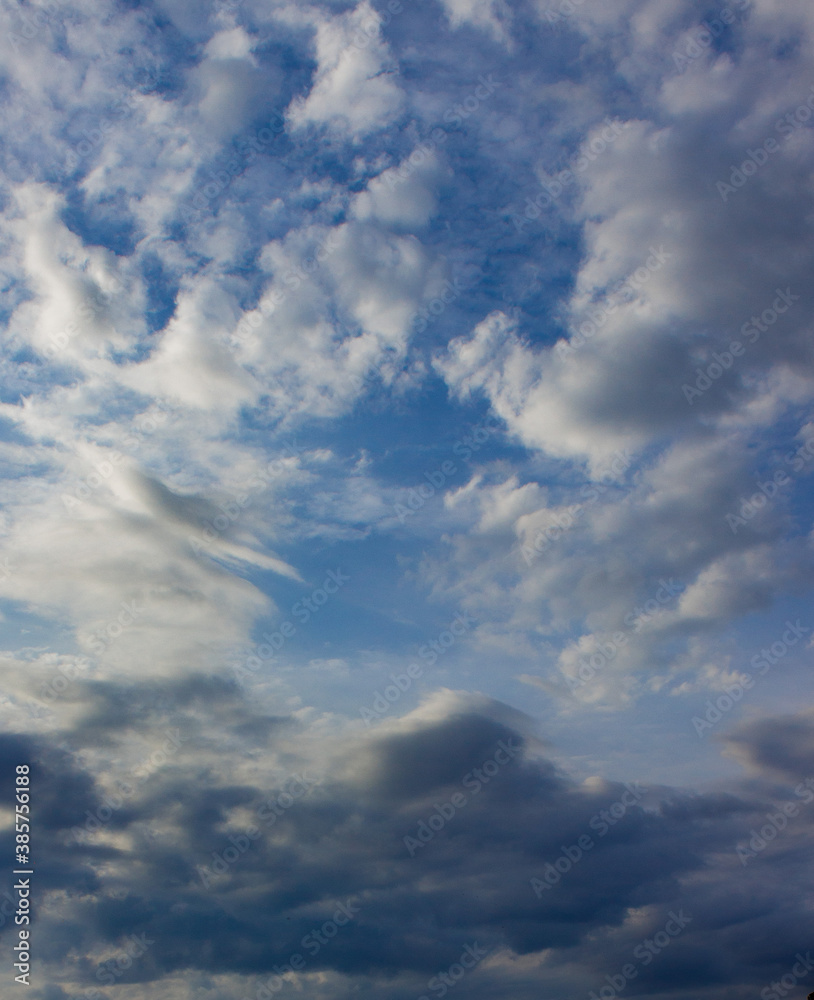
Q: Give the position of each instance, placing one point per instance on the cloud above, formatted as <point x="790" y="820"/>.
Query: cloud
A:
<point x="779" y="747"/>
<point x="353" y="89"/>
<point x="489" y="15"/>
<point x="254" y="303"/>
<point x="649" y="847"/>
<point x="403" y="196"/>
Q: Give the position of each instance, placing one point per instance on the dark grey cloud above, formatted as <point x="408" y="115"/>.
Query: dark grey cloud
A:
<point x="152" y="868"/>
<point x="779" y="747"/>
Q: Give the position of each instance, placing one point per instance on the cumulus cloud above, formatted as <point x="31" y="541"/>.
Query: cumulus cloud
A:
<point x="499" y="316"/>
<point x="353" y="89"/>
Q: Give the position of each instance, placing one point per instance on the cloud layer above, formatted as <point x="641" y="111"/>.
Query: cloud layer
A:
<point x="454" y="361"/>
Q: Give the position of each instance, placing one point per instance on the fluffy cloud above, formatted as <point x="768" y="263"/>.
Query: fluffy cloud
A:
<point x="353" y="88"/>
<point x="502" y="313"/>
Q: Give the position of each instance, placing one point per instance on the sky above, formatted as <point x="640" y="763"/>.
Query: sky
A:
<point x="406" y="535"/>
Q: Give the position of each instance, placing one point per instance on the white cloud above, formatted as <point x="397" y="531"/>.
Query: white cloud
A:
<point x="405" y="195"/>
<point x="489" y="15"/>
<point x="354" y="89"/>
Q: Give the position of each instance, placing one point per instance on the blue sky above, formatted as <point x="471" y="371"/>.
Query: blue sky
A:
<point x="384" y="383"/>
